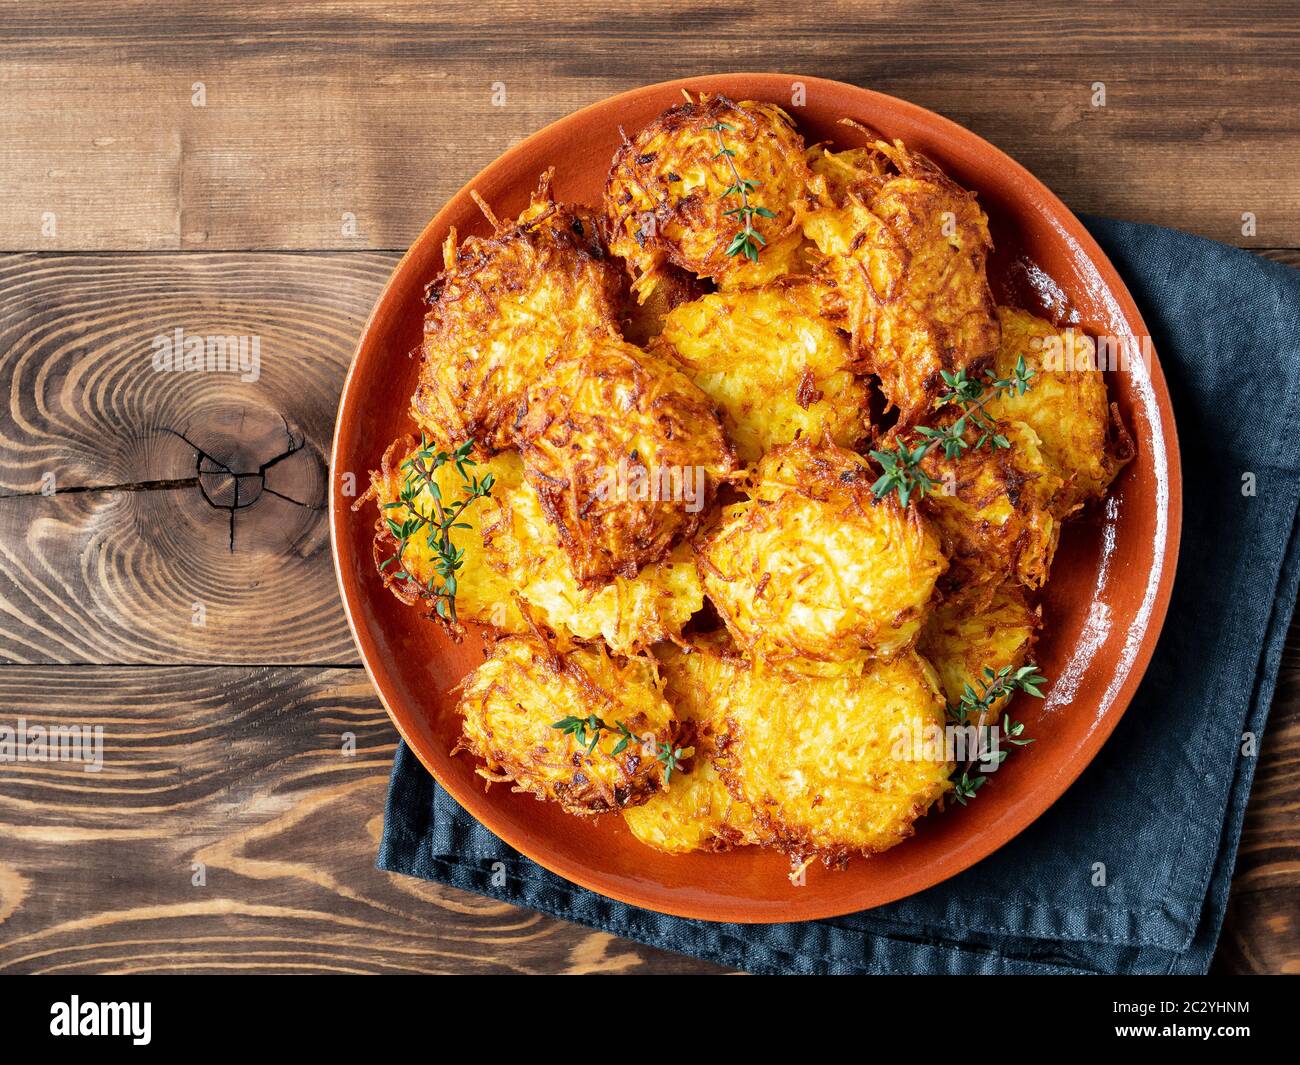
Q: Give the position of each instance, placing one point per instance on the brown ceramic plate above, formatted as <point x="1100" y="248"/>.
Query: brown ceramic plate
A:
<point x="1103" y="607"/>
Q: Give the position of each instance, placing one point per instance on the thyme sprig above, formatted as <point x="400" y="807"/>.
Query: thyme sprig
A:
<point x="902" y="472"/>
<point x="973" y="709"/>
<point x="418" y="476"/>
<point x="587" y="730"/>
<point x="747" y="240"/>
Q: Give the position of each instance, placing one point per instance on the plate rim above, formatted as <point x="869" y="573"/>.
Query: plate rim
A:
<point x="1065" y="774"/>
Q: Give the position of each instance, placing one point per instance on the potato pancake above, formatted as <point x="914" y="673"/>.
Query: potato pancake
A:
<point x="993" y="507"/>
<point x="812" y="568"/>
<point x="501" y="309"/>
<point x="696" y="811"/>
<point x="672" y="197"/>
<point x="775" y="367"/>
<point x="408" y="563"/>
<point x="511" y="705"/>
<point x="624" y="452"/>
<point x="963" y="638"/>
<point x="1066" y="405"/>
<point x="906" y="248"/>
<point x="830" y="765"/>
<point x="510" y="550"/>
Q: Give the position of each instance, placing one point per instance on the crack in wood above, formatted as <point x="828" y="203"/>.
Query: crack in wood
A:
<point x="134" y="486"/>
<point x="206" y="466"/>
<point x="295" y="444"/>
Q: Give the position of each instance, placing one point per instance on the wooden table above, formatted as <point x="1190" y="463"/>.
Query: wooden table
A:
<point x="164" y="562"/>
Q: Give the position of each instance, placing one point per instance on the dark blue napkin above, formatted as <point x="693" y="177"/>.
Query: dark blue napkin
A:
<point x="1162" y="804"/>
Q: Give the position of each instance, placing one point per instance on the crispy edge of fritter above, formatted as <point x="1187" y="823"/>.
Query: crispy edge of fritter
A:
<point x="970" y="553"/>
<point x="384" y="544"/>
<point x="698" y="705"/>
<point x="865" y="193"/>
<point x="694" y="440"/>
<point x="626" y="621"/>
<point x="958" y="631"/>
<point x="801" y="297"/>
<point x="1020" y="328"/>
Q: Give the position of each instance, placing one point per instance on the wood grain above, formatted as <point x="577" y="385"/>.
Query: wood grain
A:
<point x="245" y="773"/>
<point x="326" y="127"/>
<point x="1262" y="931"/>
<point x="339" y="130"/>
<point x="153" y="516"/>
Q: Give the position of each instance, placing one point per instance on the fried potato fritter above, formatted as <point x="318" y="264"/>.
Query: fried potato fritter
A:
<point x="962" y="638"/>
<point x="624" y="452"/>
<point x="510" y="706"/>
<point x="409" y="568"/>
<point x="993" y="508"/>
<point x="812" y="568"/>
<point x="1080" y="432"/>
<point x="775" y="367"/>
<point x="628" y="613"/>
<point x="906" y="247"/>
<point x="671" y="196"/>
<point x="512" y="553"/>
<point x="696" y="811"/>
<point x="503" y="307"/>
<point x="835" y="766"/>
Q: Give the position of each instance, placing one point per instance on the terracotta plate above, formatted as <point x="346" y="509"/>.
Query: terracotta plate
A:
<point x="1103" y="608"/>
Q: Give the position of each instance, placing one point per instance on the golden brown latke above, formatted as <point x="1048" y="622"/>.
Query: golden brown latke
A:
<point x="512" y="554"/>
<point x="813" y="569"/>
<point x="503" y="307"/>
<point x="667" y="198"/>
<point x="511" y="703"/>
<point x="481" y="592"/>
<point x="830" y="765"/>
<point x="906" y="248"/>
<point x="1080" y="433"/>
<point x="962" y="638"/>
<point x="696" y="811"/>
<point x="775" y="367"/>
<point x="624" y="452"/>
<point x="993" y="508"/>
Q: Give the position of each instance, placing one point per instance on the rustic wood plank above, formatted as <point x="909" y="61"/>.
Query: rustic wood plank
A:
<point x="1285" y="256"/>
<point x="245" y="772"/>
<point x="141" y="551"/>
<point x="313" y="115"/>
<point x="1261" y="933"/>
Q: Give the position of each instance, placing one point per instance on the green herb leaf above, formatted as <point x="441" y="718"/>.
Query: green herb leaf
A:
<point x="973" y="708"/>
